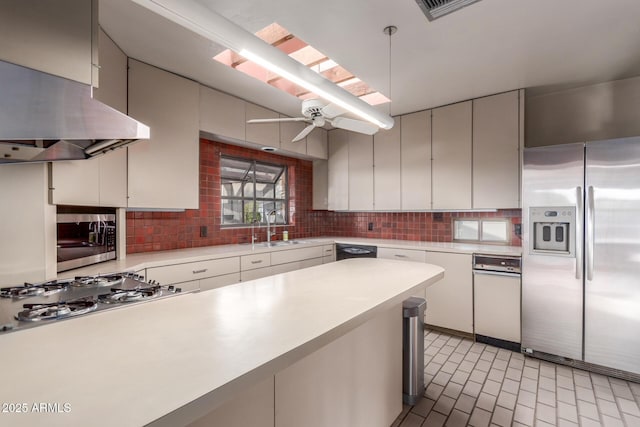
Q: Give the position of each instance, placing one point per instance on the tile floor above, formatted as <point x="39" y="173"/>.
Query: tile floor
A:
<point x="479" y="385"/>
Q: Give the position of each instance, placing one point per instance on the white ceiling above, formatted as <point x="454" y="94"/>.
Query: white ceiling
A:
<point x="488" y="47"/>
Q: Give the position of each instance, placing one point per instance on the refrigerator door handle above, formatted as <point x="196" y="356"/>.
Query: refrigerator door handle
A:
<point x="579" y="228"/>
<point x="590" y="232"/>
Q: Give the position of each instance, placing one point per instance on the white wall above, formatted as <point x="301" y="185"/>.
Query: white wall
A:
<point x="27" y="225"/>
<point x="589" y="113"/>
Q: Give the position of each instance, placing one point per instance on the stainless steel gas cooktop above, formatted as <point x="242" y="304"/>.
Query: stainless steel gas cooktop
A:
<point x="35" y="304"/>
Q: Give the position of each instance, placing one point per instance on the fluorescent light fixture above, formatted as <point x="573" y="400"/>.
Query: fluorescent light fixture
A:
<point x="200" y="19"/>
<point x="311" y="87"/>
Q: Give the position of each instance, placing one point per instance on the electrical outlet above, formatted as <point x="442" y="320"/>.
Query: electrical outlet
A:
<point x="370" y="227"/>
<point x="203" y="231"/>
<point x="517" y="229"/>
<point x="438" y="217"/>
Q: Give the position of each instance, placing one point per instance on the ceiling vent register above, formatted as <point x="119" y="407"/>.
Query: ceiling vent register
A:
<point x="434" y="9"/>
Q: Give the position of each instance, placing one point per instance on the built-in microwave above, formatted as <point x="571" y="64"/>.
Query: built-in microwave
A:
<point x="85" y="237"/>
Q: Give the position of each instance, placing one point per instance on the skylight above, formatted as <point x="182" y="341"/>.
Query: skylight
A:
<point x="307" y="55"/>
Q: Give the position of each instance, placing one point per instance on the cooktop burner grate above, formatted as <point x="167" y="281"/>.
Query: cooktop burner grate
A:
<point x="56" y="310"/>
<point x="123" y="296"/>
<point x="29" y="290"/>
<point x="97" y="281"/>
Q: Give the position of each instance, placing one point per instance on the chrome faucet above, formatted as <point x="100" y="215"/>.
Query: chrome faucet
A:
<point x="269" y="232"/>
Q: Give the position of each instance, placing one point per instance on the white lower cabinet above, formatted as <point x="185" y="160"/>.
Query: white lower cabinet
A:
<point x="402" y="254"/>
<point x="450" y="301"/>
<point x="328" y="253"/>
<point x="496" y="306"/>
<point x="219" y="281"/>
<point x="256" y="266"/>
<point x="189" y="274"/>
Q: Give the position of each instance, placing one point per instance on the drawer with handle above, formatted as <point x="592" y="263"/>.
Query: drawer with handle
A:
<point x="251" y="262"/>
<point x="178" y="273"/>
<point x="402" y="254"/>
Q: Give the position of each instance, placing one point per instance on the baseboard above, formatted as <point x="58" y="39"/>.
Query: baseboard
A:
<point x="496" y="342"/>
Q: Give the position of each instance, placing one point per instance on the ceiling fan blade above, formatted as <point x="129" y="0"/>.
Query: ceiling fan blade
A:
<point x="284" y="119"/>
<point x="332" y="110"/>
<point x="354" y="125"/>
<point x="306" y="131"/>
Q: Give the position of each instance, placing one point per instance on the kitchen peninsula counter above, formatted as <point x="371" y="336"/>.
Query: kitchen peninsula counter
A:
<point x="171" y="362"/>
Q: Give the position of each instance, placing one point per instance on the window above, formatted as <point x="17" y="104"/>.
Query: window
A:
<point x="250" y="190"/>
<point x="481" y="230"/>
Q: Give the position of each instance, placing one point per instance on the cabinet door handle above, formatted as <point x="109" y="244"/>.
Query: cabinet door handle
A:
<point x="204" y="270"/>
<point x="400" y="256"/>
<point x="328" y="250"/>
<point x="257" y="262"/>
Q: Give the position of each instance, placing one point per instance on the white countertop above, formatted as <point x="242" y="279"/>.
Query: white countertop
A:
<point x="139" y="261"/>
<point x="132" y="365"/>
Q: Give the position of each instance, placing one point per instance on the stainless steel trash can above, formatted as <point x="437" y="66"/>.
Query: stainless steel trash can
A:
<point x="413" y="349"/>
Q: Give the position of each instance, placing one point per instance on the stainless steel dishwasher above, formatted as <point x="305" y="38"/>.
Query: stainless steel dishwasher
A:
<point x="496" y="300"/>
<point x="347" y="250"/>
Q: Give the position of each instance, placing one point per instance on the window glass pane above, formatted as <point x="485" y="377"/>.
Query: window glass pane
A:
<point x="231" y="211"/>
<point x="251" y="216"/>
<point x="231" y="188"/>
<point x="264" y="191"/>
<point x="466" y="229"/>
<point x="267" y="173"/>
<point x="233" y="168"/>
<point x="281" y="213"/>
<point x="494" y="231"/>
<point x="248" y="190"/>
<point x="281" y="186"/>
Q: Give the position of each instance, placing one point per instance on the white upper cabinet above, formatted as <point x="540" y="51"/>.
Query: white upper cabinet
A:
<point x="496" y="151"/>
<point x="386" y="171"/>
<point x="317" y="144"/>
<point x="221" y="114"/>
<point x="100" y="181"/>
<point x="415" y="152"/>
<point x="267" y="134"/>
<point x="360" y="172"/>
<point x="54" y="36"/>
<point x="163" y="171"/>
<point x="320" y="184"/>
<point x="451" y="153"/>
<point x="288" y="131"/>
<point x="338" y="170"/>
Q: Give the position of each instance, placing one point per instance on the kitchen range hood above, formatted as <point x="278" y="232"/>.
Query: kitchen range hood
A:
<point x="47" y="118"/>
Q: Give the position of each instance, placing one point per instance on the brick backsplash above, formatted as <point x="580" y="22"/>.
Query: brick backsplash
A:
<point x="157" y="231"/>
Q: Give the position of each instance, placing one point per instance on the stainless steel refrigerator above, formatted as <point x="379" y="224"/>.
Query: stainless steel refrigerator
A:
<point x="581" y="253"/>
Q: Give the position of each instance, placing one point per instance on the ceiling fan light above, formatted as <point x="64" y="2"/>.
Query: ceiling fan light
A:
<point x="313" y="88"/>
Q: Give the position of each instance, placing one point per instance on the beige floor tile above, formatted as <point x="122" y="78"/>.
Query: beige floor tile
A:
<point x="491" y="387"/>
<point x="441" y="378"/>
<point x="547" y="383"/>
<point x="540" y="423"/>
<point x="510" y="386"/>
<point x="433" y="391"/>
<point x="527" y="398"/>
<point x="452" y="390"/>
<point x="480" y="418"/>
<point x="412" y="420"/>
<point x="603" y="392"/>
<point x="585" y="394"/>
<point x="513" y="374"/>
<point x="608" y="408"/>
<point x="496" y="375"/>
<point x="466" y="366"/>
<point x="631" y="420"/>
<point x="478" y="376"/>
<point x="523" y="415"/>
<point x="500" y="364"/>
<point x="507" y="400"/>
<point x="423" y="407"/>
<point x="483" y="365"/>
<point x="517" y="361"/>
<point x="449" y="367"/>
<point x="447" y="350"/>
<point x="502" y="416"/>
<point x="530" y="361"/>
<point x="565" y="382"/>
<point x="629" y="407"/>
<point x="589" y="410"/>
<point x="488" y="356"/>
<point x="456" y="358"/>
<point x="530" y="372"/>
<point x="547" y="370"/>
<point x="472" y="389"/>
<point x="564" y="371"/>
<point x="460" y="377"/>
<point x="444" y="405"/>
<point x="439" y="358"/>
<point x="598" y="379"/>
<point x="435" y="419"/>
<point x="566" y="396"/>
<point x="486" y="401"/>
<point x="566" y="423"/>
<point x="457" y="419"/>
<point x="587" y="422"/>
<point x="567" y="412"/>
<point x="432" y="368"/>
<point x="623" y="391"/>
<point x="546" y="413"/>
<point x="547" y="397"/>
<point x="465" y="403"/>
<point x="504" y="354"/>
<point x="472" y="357"/>
<point x="582" y="381"/>
<point x="608" y="421"/>
<point x="529" y="385"/>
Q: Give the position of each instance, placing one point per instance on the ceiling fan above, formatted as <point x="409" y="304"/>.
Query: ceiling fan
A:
<point x="316" y="114"/>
